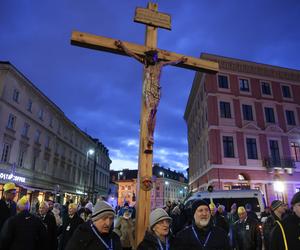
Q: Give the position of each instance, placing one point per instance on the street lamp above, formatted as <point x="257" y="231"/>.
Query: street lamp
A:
<point x="92" y="152"/>
<point x="119" y="174"/>
<point x="166" y="184"/>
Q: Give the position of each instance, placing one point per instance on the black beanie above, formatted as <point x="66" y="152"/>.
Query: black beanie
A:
<point x="296" y="198"/>
<point x="198" y="203"/>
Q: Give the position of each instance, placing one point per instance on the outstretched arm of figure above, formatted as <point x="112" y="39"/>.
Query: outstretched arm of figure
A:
<point x="121" y="45"/>
<point x="174" y="62"/>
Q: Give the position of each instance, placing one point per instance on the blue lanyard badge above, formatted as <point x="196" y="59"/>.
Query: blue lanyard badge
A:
<point x="206" y="239"/>
<point x="100" y="238"/>
<point x="160" y="245"/>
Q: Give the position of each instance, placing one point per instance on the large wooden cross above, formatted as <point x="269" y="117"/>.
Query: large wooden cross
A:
<point x="153" y="19"/>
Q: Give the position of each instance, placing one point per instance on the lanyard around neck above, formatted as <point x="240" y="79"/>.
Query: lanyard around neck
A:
<point x="160" y="245"/>
<point x="206" y="239"/>
<point x="100" y="238"/>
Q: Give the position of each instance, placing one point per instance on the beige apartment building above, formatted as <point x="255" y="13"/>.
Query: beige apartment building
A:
<point x="41" y="150"/>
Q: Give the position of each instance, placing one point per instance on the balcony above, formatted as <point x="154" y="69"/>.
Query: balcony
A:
<point x="285" y="163"/>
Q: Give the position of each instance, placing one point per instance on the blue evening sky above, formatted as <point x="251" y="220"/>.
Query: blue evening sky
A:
<point x="101" y="92"/>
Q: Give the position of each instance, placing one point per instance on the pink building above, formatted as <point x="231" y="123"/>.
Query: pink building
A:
<point x="244" y="128"/>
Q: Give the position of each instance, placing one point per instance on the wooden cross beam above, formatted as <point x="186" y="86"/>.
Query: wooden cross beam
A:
<point x="153" y="19"/>
<point x="108" y="44"/>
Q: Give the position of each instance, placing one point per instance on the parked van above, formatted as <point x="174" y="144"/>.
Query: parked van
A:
<point x="228" y="197"/>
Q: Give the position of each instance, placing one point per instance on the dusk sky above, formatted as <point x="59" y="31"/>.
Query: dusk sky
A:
<point x="101" y="92"/>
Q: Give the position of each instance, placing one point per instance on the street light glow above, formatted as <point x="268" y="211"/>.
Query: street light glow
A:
<point x="91" y="151"/>
<point x="161" y="173"/>
<point x="279" y="186"/>
<point x="166" y="182"/>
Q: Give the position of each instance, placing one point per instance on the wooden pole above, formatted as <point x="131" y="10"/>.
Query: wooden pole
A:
<point x="145" y="160"/>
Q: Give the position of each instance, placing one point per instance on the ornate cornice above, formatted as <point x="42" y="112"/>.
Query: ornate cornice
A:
<point x="247" y="67"/>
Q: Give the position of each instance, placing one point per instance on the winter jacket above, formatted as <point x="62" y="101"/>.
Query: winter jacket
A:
<point x="23" y="231"/>
<point x="151" y="242"/>
<point x="268" y="226"/>
<point x="291" y="227"/>
<point x="6" y="212"/>
<point x="125" y="229"/>
<point x="50" y="223"/>
<point x="85" y="239"/>
<point x="215" y="238"/>
<point x="246" y="235"/>
<point x="220" y="221"/>
<point x="68" y="229"/>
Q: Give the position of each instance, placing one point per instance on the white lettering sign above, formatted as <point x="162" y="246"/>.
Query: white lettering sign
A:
<point x="11" y="177"/>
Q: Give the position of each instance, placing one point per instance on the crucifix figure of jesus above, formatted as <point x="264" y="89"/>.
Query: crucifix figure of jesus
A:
<point x="151" y="86"/>
<point x="154" y="60"/>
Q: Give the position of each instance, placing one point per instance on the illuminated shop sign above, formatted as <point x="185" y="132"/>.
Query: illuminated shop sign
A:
<point x="11" y="177"/>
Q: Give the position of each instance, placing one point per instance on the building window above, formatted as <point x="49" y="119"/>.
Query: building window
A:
<point x="29" y="105"/>
<point x="290" y="117"/>
<point x="295" y="151"/>
<point x="223" y="81"/>
<point x="244" y="85"/>
<point x="21" y="157"/>
<point x="56" y="148"/>
<point x="16" y="95"/>
<point x="269" y="114"/>
<point x="225" y="109"/>
<point x="5" y="152"/>
<point x="59" y="128"/>
<point x="51" y="122"/>
<point x="228" y="146"/>
<point x="41" y="114"/>
<point x="11" y="121"/>
<point x="48" y="141"/>
<point x="251" y="148"/>
<point x="274" y="149"/>
<point x="247" y="112"/>
<point x="286" y="92"/>
<point x="37" y="136"/>
<point x="266" y="88"/>
<point x="25" y="129"/>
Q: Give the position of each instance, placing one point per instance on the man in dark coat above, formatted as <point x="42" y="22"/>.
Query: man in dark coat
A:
<point x="70" y="225"/>
<point x="50" y="223"/>
<point x="96" y="233"/>
<point x="7" y="205"/>
<point x="291" y="228"/>
<point x="277" y="211"/>
<point x="202" y="234"/>
<point x="250" y="213"/>
<point x="246" y="233"/>
<point x="23" y="231"/>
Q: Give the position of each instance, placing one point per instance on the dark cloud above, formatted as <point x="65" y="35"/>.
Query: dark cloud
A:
<point x="101" y="92"/>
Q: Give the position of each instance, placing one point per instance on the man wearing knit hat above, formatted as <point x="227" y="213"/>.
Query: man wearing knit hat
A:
<point x="287" y="235"/>
<point x="277" y="210"/>
<point x="202" y="234"/>
<point x="23" y="231"/>
<point x="96" y="233"/>
<point x="7" y="204"/>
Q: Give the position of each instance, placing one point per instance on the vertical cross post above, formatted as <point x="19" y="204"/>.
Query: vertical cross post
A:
<point x="145" y="160"/>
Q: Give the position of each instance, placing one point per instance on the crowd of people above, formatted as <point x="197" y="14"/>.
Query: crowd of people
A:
<point x="100" y="226"/>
